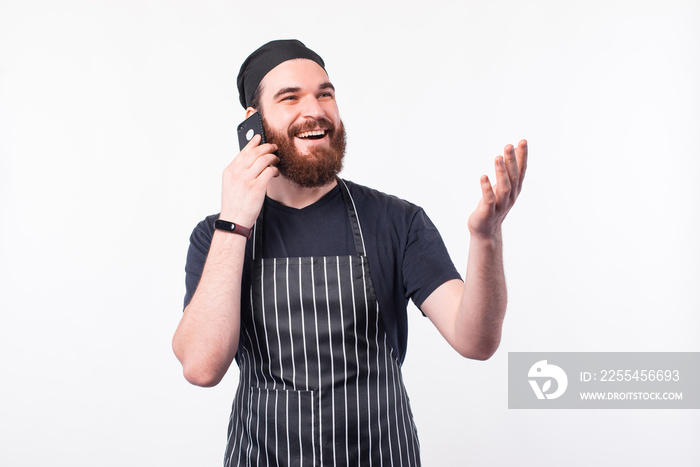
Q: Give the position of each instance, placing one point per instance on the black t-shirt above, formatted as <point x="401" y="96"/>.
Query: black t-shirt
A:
<point x="407" y="257"/>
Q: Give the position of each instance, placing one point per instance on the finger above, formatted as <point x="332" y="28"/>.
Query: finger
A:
<point x="267" y="148"/>
<point x="502" y="182"/>
<point x="252" y="142"/>
<point x="487" y="195"/>
<point x="268" y="173"/>
<point x="262" y="162"/>
<point x="512" y="169"/>
<point x="247" y="149"/>
<point x="521" y="156"/>
<point x="249" y="156"/>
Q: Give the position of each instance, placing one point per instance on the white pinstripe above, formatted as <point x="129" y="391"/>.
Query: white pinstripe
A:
<point x="277" y="325"/>
<point x="291" y="343"/>
<point x="357" y="364"/>
<point x="267" y="347"/>
<point x="388" y="428"/>
<point x="330" y="345"/>
<point x="277" y="429"/>
<point x="303" y="327"/>
<point x="379" y="405"/>
<point x="306" y="368"/>
<point x="345" y="361"/>
<point x="396" y="396"/>
<point x="267" y="404"/>
<point x="250" y="419"/>
<point x="318" y="353"/>
<point x="369" y="373"/>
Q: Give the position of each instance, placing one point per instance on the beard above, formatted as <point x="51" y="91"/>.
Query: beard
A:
<point x="320" y="165"/>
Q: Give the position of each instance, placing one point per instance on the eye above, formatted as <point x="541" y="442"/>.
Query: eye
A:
<point x="326" y="94"/>
<point x="289" y="98"/>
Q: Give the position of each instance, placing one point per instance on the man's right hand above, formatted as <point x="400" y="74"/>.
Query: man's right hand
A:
<point x="245" y="182"/>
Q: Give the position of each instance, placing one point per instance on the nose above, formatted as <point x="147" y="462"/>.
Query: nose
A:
<point x="311" y="108"/>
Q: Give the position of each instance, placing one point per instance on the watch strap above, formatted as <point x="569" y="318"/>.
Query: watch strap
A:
<point x="227" y="226"/>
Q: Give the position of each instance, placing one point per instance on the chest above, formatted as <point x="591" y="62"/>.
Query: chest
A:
<point x="322" y="231"/>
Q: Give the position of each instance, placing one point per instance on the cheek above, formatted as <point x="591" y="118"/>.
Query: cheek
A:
<point x="331" y="111"/>
<point x="281" y="118"/>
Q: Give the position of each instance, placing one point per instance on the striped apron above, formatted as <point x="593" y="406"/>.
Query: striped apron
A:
<point x="320" y="384"/>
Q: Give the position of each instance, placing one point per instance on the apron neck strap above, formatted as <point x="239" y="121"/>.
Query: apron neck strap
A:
<point x="354" y="220"/>
<point x="257" y="233"/>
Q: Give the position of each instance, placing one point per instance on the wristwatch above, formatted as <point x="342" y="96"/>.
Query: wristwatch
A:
<point x="231" y="227"/>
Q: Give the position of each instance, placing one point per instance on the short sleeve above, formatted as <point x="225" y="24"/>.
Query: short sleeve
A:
<point x="200" y="241"/>
<point x="426" y="262"/>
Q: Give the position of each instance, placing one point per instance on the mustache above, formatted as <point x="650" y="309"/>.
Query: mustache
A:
<point x="322" y="123"/>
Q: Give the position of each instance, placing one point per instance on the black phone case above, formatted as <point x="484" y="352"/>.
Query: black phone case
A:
<point x="250" y="127"/>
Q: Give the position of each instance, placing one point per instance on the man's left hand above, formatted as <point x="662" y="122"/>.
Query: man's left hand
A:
<point x="496" y="200"/>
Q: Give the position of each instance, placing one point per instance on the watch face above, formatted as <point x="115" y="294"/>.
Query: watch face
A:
<point x="231" y="227"/>
<point x="224" y="225"/>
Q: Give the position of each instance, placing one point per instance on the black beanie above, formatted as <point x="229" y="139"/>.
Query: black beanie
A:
<point x="260" y="62"/>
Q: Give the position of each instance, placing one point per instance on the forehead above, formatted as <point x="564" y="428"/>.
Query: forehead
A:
<point x="297" y="73"/>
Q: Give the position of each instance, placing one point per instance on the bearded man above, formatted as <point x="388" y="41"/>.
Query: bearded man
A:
<point x="298" y="282"/>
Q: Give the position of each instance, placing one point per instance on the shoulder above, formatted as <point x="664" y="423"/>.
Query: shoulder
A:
<point x="376" y="202"/>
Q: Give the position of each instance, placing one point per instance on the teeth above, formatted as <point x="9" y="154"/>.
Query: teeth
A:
<point x="306" y="134"/>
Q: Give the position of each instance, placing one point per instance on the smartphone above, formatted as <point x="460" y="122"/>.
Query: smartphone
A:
<point x="250" y="127"/>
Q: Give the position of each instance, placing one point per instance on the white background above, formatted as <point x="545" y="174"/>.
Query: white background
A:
<point x="117" y="118"/>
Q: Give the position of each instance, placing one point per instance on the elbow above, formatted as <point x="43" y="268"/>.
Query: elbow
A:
<point x="481" y="355"/>
<point x="481" y="351"/>
<point x="197" y="371"/>
<point x="197" y="376"/>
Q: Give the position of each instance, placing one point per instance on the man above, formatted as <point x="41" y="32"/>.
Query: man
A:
<point x="304" y="279"/>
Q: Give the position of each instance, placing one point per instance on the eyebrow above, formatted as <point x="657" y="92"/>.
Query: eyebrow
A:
<point x="285" y="91"/>
<point x="326" y="85"/>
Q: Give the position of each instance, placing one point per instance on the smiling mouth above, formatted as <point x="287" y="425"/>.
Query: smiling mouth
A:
<point x="312" y="134"/>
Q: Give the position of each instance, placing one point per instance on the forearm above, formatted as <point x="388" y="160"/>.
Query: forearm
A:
<point x="206" y="340"/>
<point x="470" y="314"/>
<point x="207" y="337"/>
<point x="483" y="304"/>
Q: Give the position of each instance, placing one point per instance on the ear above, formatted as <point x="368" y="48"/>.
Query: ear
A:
<point x="249" y="111"/>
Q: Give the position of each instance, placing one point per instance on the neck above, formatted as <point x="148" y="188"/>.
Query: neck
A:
<point x="288" y="193"/>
